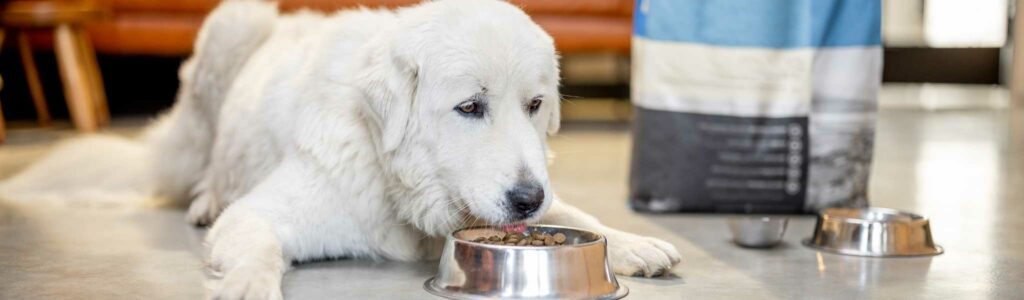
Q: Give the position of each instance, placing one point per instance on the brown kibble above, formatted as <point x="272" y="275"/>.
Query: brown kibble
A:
<point x="535" y="238"/>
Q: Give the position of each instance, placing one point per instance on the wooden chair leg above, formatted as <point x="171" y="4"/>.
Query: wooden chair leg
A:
<point x="99" y="96"/>
<point x="74" y="74"/>
<point x="35" y="86"/>
<point x="3" y="128"/>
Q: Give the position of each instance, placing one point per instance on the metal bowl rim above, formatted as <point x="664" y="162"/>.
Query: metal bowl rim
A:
<point x="809" y="242"/>
<point x="915" y="218"/>
<point x="599" y="241"/>
<point x="428" y="285"/>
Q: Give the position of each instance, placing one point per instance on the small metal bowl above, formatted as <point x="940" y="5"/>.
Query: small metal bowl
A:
<point x="757" y="232"/>
<point x="877" y="232"/>
<point x="577" y="270"/>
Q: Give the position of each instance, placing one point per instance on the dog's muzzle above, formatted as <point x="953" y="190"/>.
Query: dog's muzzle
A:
<point x="524" y="199"/>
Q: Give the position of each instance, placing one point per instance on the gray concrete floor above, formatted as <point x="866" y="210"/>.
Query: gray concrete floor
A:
<point x="961" y="167"/>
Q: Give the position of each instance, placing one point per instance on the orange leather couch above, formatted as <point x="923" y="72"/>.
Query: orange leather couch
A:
<point x="168" y="27"/>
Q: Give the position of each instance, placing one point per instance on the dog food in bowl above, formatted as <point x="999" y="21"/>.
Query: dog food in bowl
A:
<point x="535" y="238"/>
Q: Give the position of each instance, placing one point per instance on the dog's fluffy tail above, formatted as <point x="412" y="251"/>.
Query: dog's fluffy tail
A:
<point x="169" y="158"/>
<point x="88" y="171"/>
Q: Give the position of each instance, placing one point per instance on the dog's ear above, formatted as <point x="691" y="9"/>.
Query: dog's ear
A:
<point x="555" y="117"/>
<point x="388" y="82"/>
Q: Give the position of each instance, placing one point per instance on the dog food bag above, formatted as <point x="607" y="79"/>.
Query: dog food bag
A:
<point x="753" y="106"/>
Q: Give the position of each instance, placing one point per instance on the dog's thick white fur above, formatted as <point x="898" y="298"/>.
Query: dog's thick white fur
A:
<point x="365" y="133"/>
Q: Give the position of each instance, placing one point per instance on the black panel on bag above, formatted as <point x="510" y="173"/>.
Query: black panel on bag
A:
<point x="686" y="162"/>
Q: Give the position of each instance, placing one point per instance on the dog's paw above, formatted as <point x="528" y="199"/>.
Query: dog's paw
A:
<point x="635" y="255"/>
<point x="202" y="211"/>
<point x="249" y="284"/>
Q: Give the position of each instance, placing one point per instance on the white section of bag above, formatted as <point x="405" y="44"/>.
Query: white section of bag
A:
<point x="754" y="82"/>
<point x="697" y="78"/>
<point x="847" y="73"/>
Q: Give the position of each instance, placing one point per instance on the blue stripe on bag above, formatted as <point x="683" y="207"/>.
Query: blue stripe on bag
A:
<point x="761" y="23"/>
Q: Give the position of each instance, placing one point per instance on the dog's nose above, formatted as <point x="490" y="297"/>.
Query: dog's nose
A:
<point x="525" y="198"/>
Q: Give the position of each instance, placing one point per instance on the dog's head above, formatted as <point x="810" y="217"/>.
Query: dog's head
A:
<point x="463" y="95"/>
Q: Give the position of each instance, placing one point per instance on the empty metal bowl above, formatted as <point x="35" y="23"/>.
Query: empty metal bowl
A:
<point x="757" y="232"/>
<point x="878" y="232"/>
<point x="576" y="270"/>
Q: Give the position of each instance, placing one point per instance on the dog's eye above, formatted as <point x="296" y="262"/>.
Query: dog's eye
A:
<point x="470" y="108"/>
<point x="534" y="105"/>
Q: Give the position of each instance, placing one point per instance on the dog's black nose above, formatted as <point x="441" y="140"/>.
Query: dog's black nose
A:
<point x="524" y="199"/>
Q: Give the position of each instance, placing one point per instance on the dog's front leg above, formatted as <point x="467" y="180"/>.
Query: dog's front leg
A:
<point x="248" y="242"/>
<point x="248" y="255"/>
<point x="628" y="254"/>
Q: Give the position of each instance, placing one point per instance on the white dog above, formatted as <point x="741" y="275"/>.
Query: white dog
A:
<point x="366" y="133"/>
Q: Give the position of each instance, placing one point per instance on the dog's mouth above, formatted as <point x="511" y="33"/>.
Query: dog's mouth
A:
<point x="518" y="227"/>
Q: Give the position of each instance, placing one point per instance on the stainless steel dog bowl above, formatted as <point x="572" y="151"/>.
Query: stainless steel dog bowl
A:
<point x="878" y="232"/>
<point x="577" y="270"/>
<point x="757" y="232"/>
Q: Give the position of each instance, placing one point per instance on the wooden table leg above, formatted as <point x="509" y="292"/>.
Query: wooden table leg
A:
<point x="35" y="86"/>
<point x="74" y="74"/>
<point x="1017" y="66"/>
<point x="99" y="95"/>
